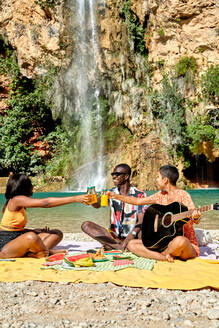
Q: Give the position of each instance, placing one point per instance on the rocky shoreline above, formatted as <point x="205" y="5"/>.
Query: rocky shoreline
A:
<point x="39" y="304"/>
<point x="54" y="305"/>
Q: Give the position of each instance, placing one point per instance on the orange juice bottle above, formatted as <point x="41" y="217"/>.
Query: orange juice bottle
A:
<point x="104" y="198"/>
<point x="94" y="195"/>
<point x="89" y="193"/>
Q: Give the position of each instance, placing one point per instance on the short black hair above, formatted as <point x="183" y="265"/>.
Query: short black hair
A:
<point x="126" y="167"/>
<point x="170" y="172"/>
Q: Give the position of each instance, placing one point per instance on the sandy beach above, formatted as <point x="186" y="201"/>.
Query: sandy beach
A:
<point x="32" y="304"/>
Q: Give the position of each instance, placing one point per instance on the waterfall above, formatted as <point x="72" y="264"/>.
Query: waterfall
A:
<point x="81" y="92"/>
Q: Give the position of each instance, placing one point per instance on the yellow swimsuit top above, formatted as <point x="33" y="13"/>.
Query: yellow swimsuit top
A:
<point x="13" y="221"/>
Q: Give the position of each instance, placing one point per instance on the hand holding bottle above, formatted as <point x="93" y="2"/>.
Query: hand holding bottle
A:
<point x="92" y="195"/>
<point x="104" y="198"/>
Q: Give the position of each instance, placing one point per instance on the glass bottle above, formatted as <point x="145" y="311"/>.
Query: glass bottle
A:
<point x="89" y="193"/>
<point x="94" y="195"/>
<point x="104" y="198"/>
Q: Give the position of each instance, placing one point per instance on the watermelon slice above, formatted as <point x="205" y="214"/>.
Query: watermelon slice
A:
<point x="48" y="264"/>
<point x="118" y="257"/>
<point x="56" y="257"/>
<point x="122" y="262"/>
<point x="71" y="259"/>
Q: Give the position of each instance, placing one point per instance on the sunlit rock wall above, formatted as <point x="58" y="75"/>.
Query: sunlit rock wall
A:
<point x="180" y="28"/>
<point x="33" y="33"/>
<point x="173" y="29"/>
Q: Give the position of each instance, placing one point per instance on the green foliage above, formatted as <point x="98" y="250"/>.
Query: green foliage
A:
<point x="28" y="114"/>
<point x="186" y="65"/>
<point x="210" y="84"/>
<point x="168" y="106"/>
<point x="60" y="142"/>
<point x="148" y="70"/>
<point x="161" y="32"/>
<point x="47" y="3"/>
<point x="14" y="131"/>
<point x="200" y="130"/>
<point x="216" y="139"/>
<point x="187" y="68"/>
<point x="135" y="29"/>
<point x="115" y="134"/>
<point x="110" y="125"/>
<point x="160" y="63"/>
<point x="8" y="65"/>
<point x="113" y="128"/>
<point x="27" y="121"/>
<point x="201" y="49"/>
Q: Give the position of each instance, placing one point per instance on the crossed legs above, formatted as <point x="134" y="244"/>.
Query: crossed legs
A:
<point x="100" y="234"/>
<point x="50" y="239"/>
<point x="179" y="247"/>
<point x="32" y="244"/>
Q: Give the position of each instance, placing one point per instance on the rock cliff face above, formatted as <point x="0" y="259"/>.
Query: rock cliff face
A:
<point x="169" y="30"/>
<point x="34" y="33"/>
<point x="172" y="30"/>
<point x="178" y="28"/>
<point x="181" y="28"/>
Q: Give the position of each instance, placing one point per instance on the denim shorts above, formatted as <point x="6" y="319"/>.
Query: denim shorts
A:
<point x="7" y="236"/>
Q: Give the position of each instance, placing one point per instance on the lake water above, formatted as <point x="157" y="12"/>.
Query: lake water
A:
<point x="69" y="218"/>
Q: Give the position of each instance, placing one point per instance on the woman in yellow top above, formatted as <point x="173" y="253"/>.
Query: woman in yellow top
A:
<point x="15" y="240"/>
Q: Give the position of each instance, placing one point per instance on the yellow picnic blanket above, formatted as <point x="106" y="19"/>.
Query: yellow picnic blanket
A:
<point x="192" y="274"/>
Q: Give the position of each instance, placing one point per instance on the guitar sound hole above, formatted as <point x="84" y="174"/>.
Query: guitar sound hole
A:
<point x="166" y="222"/>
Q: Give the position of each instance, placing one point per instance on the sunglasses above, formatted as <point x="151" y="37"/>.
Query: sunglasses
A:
<point x="117" y="174"/>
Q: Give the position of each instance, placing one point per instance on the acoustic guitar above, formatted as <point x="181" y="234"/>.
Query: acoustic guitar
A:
<point x="162" y="223"/>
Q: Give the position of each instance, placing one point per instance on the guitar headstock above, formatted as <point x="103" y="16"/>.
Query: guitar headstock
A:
<point x="216" y="206"/>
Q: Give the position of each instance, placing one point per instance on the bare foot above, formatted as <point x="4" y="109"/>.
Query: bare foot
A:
<point x="105" y="240"/>
<point x="169" y="258"/>
<point x="57" y="251"/>
<point x="108" y="247"/>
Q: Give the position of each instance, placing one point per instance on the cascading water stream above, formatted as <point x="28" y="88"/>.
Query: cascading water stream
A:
<point x="81" y="95"/>
<point x="99" y="179"/>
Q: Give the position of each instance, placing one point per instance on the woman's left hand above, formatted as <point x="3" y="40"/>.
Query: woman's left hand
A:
<point x="40" y="230"/>
<point x="46" y="229"/>
<point x="84" y="199"/>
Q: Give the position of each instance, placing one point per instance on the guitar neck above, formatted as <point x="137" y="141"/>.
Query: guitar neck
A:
<point x="188" y="214"/>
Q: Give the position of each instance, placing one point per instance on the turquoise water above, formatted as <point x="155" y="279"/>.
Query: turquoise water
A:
<point x="69" y="218"/>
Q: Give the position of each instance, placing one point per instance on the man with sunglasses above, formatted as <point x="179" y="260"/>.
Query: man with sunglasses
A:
<point x="125" y="219"/>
